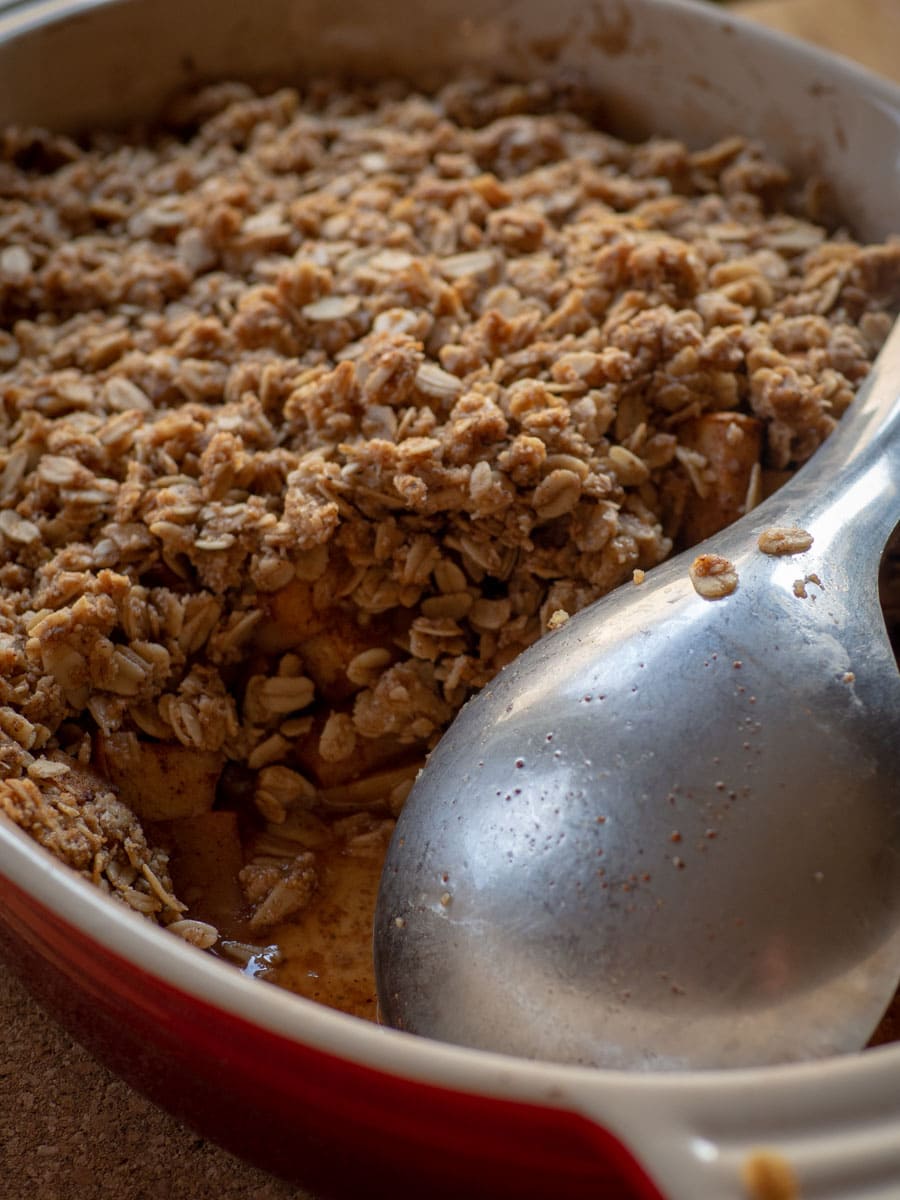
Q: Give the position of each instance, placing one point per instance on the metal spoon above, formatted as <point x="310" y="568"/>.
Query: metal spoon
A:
<point x="668" y="835"/>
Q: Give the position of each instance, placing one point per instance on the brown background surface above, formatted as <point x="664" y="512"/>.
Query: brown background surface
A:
<point x="71" y="1131"/>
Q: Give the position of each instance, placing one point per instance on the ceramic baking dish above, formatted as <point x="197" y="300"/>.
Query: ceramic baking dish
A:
<point x="339" y="1105"/>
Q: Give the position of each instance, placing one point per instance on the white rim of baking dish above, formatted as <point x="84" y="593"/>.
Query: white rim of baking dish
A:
<point x="837" y="1121"/>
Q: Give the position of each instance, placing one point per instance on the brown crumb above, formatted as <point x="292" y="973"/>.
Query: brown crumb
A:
<point x="800" y="586"/>
<point x="769" y="1176"/>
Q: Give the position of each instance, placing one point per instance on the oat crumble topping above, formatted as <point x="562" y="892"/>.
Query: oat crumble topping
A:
<point x="557" y="619"/>
<point x="320" y="407"/>
<point x="780" y="540"/>
<point x="713" y="576"/>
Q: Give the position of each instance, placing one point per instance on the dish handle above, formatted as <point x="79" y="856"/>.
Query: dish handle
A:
<point x="814" y="1131"/>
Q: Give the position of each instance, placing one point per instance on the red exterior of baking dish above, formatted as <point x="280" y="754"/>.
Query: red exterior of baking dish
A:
<point x="322" y="1121"/>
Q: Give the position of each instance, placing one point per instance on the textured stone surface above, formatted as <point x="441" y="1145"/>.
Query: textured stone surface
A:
<point x="69" y="1130"/>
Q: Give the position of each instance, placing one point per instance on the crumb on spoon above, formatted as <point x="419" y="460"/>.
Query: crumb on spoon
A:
<point x="713" y="576"/>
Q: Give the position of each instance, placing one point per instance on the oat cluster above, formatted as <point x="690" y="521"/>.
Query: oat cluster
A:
<point x="779" y="540"/>
<point x="319" y="408"/>
<point x="713" y="576"/>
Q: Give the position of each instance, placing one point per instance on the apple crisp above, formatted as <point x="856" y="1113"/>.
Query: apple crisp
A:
<point x="318" y="408"/>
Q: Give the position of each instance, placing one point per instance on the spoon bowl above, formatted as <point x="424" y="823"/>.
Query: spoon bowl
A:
<point x="668" y="835"/>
